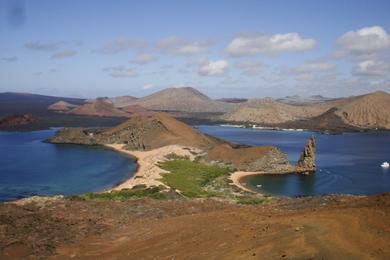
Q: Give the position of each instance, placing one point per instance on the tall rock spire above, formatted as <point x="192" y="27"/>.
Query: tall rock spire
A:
<point x="306" y="163"/>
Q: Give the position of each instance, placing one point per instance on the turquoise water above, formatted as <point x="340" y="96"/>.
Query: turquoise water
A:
<point x="29" y="166"/>
<point x="346" y="164"/>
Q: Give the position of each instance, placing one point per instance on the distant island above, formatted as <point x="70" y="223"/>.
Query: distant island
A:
<point x="357" y="113"/>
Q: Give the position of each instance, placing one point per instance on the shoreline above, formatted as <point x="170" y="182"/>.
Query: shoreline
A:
<point x="147" y="172"/>
<point x="237" y="176"/>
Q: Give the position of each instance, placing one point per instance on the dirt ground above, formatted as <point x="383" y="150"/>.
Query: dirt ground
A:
<point x="329" y="227"/>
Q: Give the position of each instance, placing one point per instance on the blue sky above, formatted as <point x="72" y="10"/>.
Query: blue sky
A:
<point x="223" y="48"/>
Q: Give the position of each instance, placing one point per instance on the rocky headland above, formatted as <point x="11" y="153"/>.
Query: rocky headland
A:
<point x="154" y="135"/>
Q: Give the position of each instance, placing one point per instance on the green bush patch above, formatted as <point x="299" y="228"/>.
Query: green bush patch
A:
<point x="139" y="191"/>
<point x="190" y="177"/>
<point x="250" y="200"/>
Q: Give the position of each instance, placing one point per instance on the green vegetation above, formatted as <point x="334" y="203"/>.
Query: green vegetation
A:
<point x="248" y="200"/>
<point x="139" y="191"/>
<point x="191" y="177"/>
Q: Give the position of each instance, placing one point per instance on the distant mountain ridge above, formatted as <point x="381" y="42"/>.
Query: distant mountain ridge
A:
<point x="184" y="99"/>
<point x="366" y="111"/>
<point x="369" y="111"/>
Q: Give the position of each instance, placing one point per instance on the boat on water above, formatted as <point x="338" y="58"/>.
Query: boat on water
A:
<point x="385" y="165"/>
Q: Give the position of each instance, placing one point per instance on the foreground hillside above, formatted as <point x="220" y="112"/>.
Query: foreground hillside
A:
<point x="329" y="227"/>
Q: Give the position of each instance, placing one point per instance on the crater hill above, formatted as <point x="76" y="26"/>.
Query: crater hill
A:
<point x="153" y="130"/>
<point x="118" y="102"/>
<point x="61" y="106"/>
<point x="99" y="107"/>
<point x="184" y="99"/>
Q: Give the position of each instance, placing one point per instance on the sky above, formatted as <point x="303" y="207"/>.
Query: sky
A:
<point x="241" y="48"/>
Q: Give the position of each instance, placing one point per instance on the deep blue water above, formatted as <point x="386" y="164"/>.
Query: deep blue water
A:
<point x="347" y="163"/>
<point x="29" y="166"/>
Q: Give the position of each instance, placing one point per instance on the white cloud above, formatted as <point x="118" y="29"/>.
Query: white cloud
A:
<point x="213" y="68"/>
<point x="372" y="68"/>
<point x="309" y="70"/>
<point x="180" y="46"/>
<point x="143" y="58"/>
<point x="147" y="86"/>
<point x="251" y="68"/>
<point x="367" y="40"/>
<point x="120" y="45"/>
<point x="121" y="72"/>
<point x="249" y="45"/>
<point x="313" y="66"/>
<point x="63" y="54"/>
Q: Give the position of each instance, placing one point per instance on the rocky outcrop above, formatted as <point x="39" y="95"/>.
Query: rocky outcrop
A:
<point x="16" y="120"/>
<point x="306" y="163"/>
<point x="74" y="136"/>
<point x="252" y="159"/>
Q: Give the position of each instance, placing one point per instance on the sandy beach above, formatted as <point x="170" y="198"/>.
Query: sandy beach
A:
<point x="148" y="173"/>
<point x="238" y="175"/>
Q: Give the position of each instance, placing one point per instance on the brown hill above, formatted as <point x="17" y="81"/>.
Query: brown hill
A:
<point x="367" y="111"/>
<point x="269" y="111"/>
<point x="141" y="132"/>
<point x="100" y="107"/>
<point x="185" y="99"/>
<point x="61" y="106"/>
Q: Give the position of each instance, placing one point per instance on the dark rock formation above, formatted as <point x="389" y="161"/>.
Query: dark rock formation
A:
<point x="16" y="120"/>
<point x="306" y="163"/>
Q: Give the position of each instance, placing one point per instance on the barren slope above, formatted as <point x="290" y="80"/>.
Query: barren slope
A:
<point x="141" y="132"/>
<point x="367" y="111"/>
<point x="182" y="99"/>
<point x="330" y="227"/>
<point x="269" y="111"/>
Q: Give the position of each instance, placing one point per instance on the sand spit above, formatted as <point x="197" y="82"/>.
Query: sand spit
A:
<point x="148" y="172"/>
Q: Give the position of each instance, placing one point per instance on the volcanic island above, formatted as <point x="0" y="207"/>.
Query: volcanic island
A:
<point x="186" y="201"/>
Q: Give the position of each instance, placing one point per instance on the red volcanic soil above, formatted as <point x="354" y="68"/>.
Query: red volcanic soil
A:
<point x="16" y="120"/>
<point x="100" y="107"/>
<point x="329" y="227"/>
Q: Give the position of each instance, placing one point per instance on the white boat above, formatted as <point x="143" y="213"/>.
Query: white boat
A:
<point x="385" y="165"/>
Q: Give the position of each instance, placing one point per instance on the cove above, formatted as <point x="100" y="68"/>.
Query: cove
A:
<point x="29" y="166"/>
<point x="347" y="163"/>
